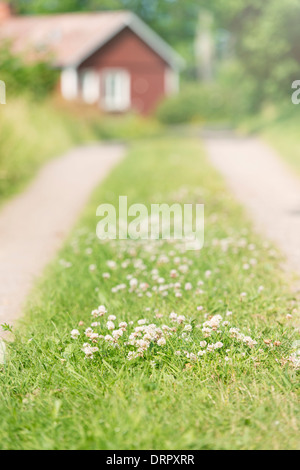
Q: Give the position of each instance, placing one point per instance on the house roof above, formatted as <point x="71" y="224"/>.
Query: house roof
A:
<point x="73" y="37"/>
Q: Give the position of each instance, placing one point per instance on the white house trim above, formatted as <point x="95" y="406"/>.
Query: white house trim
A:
<point x="153" y="40"/>
<point x="171" y="81"/>
<point x="69" y="83"/>
<point x="90" y="86"/>
<point x="2" y="92"/>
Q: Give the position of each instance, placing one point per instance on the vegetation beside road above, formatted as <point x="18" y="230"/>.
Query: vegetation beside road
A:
<point x="183" y="393"/>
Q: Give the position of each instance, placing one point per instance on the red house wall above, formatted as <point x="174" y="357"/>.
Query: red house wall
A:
<point x="146" y="68"/>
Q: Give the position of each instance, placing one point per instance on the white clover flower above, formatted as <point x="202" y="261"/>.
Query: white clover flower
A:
<point x="141" y="343"/>
<point x="143" y="321"/>
<point x="111" y="264"/>
<point x="88" y="332"/>
<point x="180" y="319"/>
<point x="214" y="322"/>
<point x="88" y="351"/>
<point x="234" y="332"/>
<point x="207" y="332"/>
<point x="101" y="310"/>
<point x="188" y="328"/>
<point x="94" y="336"/>
<point x="110" y="325"/>
<point x="188" y="286"/>
<point x="75" y="334"/>
<point x="144" y="286"/>
<point x="132" y="355"/>
<point x="177" y="353"/>
<point x="249" y="341"/>
<point x="203" y="344"/>
<point x="133" y="283"/>
<point x="117" y="333"/>
<point x="173" y="316"/>
<point x="201" y="353"/>
<point x="193" y="357"/>
<point x="108" y="338"/>
<point x="161" y="341"/>
<point x="112" y="318"/>
<point x="218" y="345"/>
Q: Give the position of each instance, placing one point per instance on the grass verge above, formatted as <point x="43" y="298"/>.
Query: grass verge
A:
<point x="238" y="395"/>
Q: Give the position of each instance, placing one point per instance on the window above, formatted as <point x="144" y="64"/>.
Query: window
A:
<point x="69" y="83"/>
<point x="90" y="86"/>
<point x="116" y="90"/>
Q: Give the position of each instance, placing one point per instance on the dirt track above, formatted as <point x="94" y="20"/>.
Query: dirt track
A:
<point x="265" y="185"/>
<point x="34" y="224"/>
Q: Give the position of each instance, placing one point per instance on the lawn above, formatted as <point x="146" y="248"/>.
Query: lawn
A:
<point x="193" y="350"/>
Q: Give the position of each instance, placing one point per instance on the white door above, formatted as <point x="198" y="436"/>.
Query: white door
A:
<point x="90" y="86"/>
<point x="116" y="90"/>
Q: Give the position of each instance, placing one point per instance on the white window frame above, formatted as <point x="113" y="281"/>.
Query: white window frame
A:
<point x="2" y="92"/>
<point x="90" y="85"/>
<point x="116" y="89"/>
<point x="171" y="81"/>
<point x="69" y="83"/>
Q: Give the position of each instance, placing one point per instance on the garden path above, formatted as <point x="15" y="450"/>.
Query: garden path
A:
<point x="34" y="224"/>
<point x="264" y="184"/>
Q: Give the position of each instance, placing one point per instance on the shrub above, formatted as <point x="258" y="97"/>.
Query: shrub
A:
<point x="196" y="102"/>
<point x="36" y="79"/>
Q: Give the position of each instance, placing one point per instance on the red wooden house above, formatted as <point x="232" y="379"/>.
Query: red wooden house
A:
<point x="109" y="58"/>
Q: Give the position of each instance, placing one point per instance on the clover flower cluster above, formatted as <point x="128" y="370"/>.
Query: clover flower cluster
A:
<point x="164" y="272"/>
<point x="143" y="336"/>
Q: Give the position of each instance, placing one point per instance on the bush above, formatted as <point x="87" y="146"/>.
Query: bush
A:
<point x="231" y="97"/>
<point x="35" y="79"/>
<point x="196" y="102"/>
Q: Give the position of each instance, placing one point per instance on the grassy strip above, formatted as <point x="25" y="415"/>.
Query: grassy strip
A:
<point x="235" y="397"/>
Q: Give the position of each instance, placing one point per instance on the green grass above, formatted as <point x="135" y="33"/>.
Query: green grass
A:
<point x="53" y="398"/>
